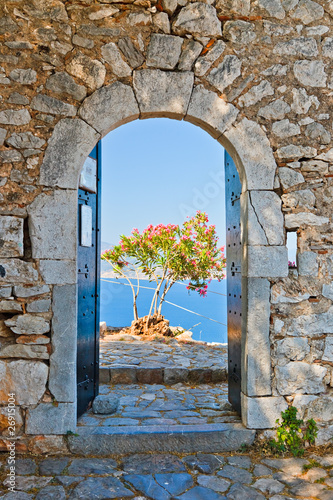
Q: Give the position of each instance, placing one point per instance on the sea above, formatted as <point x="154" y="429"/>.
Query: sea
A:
<point x="207" y="319"/>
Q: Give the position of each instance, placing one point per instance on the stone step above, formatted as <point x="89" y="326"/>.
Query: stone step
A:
<point x="207" y="438"/>
<point x="161" y="375"/>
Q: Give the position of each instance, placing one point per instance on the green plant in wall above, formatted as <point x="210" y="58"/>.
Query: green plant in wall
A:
<point x="293" y="434"/>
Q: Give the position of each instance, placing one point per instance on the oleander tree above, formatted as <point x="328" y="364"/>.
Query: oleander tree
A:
<point x="169" y="253"/>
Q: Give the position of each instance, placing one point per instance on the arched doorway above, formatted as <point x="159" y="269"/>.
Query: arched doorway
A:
<point x="264" y="252"/>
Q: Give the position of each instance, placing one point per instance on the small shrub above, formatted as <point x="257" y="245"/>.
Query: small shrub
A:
<point x="292" y="434"/>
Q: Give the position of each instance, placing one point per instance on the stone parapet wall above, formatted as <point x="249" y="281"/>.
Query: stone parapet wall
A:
<point x="256" y="75"/>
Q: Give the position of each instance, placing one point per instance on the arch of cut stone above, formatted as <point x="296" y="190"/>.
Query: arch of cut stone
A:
<point x="53" y="226"/>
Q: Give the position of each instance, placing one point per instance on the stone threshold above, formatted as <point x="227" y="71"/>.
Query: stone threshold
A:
<point x="207" y="438"/>
<point x="161" y="375"/>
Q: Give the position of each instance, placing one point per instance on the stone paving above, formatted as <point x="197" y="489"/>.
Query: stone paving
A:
<point x="165" y="405"/>
<point x="170" y="477"/>
<point x="157" y="362"/>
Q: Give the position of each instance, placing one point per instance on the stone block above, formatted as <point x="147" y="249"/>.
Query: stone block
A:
<point x="5" y="331"/>
<point x="39" y="306"/>
<point x="210" y="112"/>
<point x="256" y="94"/>
<point x="294" y="221"/>
<point x="200" y="376"/>
<point x="307" y="264"/>
<point x="15" y="117"/>
<point x="293" y="349"/>
<point x="307" y="11"/>
<point x="123" y="375"/>
<point x="62" y="161"/>
<point x="207" y="60"/>
<point x="299" y="377"/>
<point x="161" y="22"/>
<point x="225" y="73"/>
<point x="148" y="375"/>
<point x="47" y="418"/>
<point x="30" y="291"/>
<point x="104" y="375"/>
<point x="311" y="325"/>
<point x="273" y="7"/>
<point x="53" y="106"/>
<point x="105" y="404"/>
<point x="5" y="423"/>
<point x="256" y="380"/>
<point x="252" y="233"/>
<point x="52" y="231"/>
<point x="112" y="56"/>
<point x="11" y="230"/>
<point x="289" y="178"/>
<point x="132" y="54"/>
<point x="189" y="55"/>
<point x="248" y="144"/>
<point x="5" y="292"/>
<point x="310" y="73"/>
<point x="301" y="402"/>
<point x="62" y="381"/>
<point x="58" y="272"/>
<point x="265" y="261"/>
<point x="267" y="208"/>
<point x="91" y="71"/>
<point x="27" y="324"/>
<point x="163" y="93"/>
<point x="24" y="351"/>
<point x="62" y="83"/>
<point x="320" y="409"/>
<point x="328" y="291"/>
<point x="262" y="413"/>
<point x="27" y="379"/>
<point x="175" y="375"/>
<point x="25" y="140"/>
<point x="48" y="445"/>
<point x="328" y="351"/>
<point x="164" y="51"/>
<point x="33" y="339"/>
<point x="10" y="306"/>
<point x="197" y="19"/>
<point x="120" y="102"/>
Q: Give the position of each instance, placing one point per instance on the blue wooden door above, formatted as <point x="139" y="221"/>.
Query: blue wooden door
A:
<point x="88" y="271"/>
<point x="234" y="280"/>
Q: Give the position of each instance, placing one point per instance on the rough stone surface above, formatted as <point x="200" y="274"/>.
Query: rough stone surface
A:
<point x="105" y="405"/>
<point x="205" y="62"/>
<point x="63" y="356"/>
<point x="58" y="272"/>
<point x="225" y="73"/>
<point x="15" y="117"/>
<point x="289" y="177"/>
<point x="256" y="94"/>
<point x="112" y="56"/>
<point x="262" y="413"/>
<point x="27" y="379"/>
<point x="293" y="221"/>
<point x="310" y="73"/>
<point x="155" y="91"/>
<point x="308" y="11"/>
<point x="60" y="152"/>
<point x="197" y="19"/>
<point x="90" y="71"/>
<point x="11" y="243"/>
<point x="132" y="54"/>
<point x="47" y="418"/>
<point x="46" y="104"/>
<point x="206" y="108"/>
<point x="275" y="110"/>
<point x="17" y="271"/>
<point x="28" y="324"/>
<point x="119" y="98"/>
<point x="62" y="83"/>
<point x="164" y="51"/>
<point x="49" y="225"/>
<point x="273" y="7"/>
<point x="189" y="55"/>
<point x="300" y="377"/>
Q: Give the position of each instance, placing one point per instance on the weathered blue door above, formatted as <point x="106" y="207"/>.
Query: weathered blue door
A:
<point x="88" y="271"/>
<point x="234" y="280"/>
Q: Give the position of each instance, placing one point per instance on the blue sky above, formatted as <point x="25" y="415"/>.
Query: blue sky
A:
<point x="159" y="171"/>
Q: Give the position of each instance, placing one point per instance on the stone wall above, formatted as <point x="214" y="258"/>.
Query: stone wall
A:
<point x="256" y="75"/>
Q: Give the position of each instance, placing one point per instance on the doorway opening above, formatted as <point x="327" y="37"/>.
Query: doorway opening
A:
<point x="197" y="179"/>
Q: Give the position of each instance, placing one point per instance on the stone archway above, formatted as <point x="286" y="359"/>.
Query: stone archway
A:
<point x="53" y="224"/>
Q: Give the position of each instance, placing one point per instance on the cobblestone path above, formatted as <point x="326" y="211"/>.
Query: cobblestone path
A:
<point x="169" y="476"/>
<point x="157" y="354"/>
<point x="163" y="405"/>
